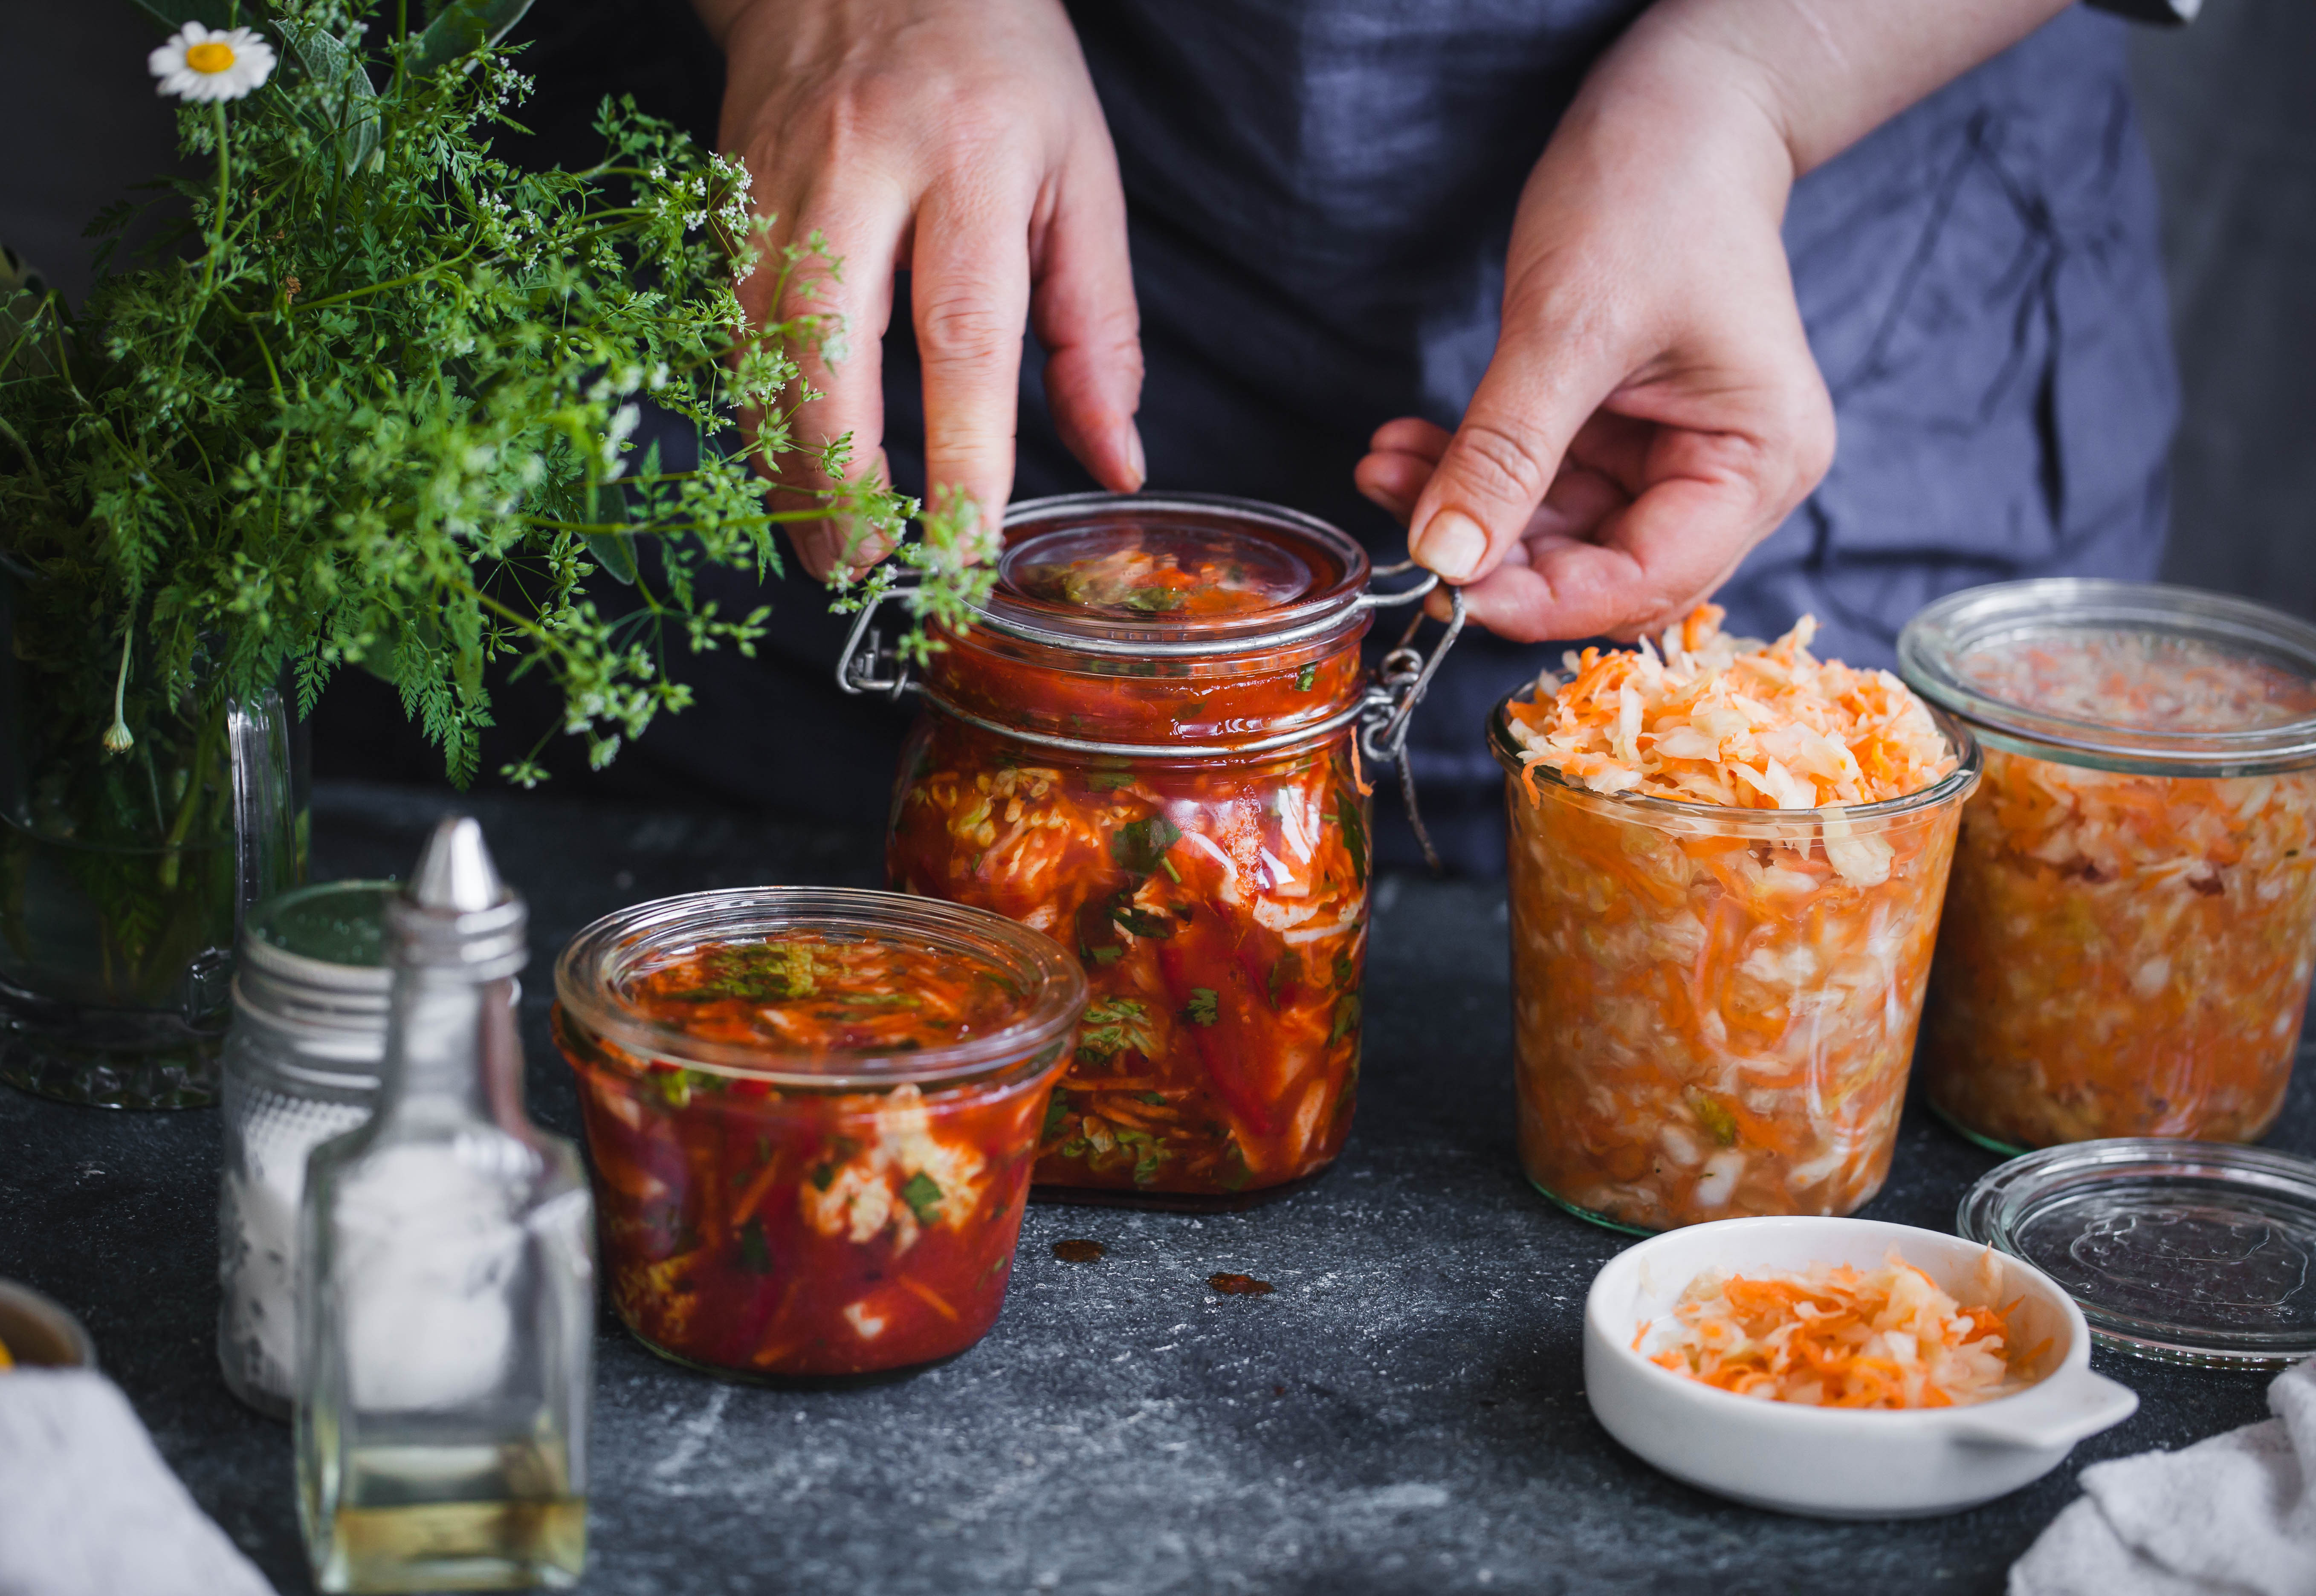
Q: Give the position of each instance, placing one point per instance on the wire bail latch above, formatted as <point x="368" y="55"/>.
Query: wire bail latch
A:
<point x="865" y="664"/>
<point x="1401" y="678"/>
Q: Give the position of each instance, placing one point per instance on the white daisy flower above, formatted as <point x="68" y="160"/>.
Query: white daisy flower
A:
<point x="202" y="63"/>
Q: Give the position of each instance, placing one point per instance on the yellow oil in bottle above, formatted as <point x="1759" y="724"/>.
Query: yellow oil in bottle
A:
<point x="471" y="1517"/>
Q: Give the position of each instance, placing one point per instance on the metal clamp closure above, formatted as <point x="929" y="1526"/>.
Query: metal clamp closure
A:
<point x="1383" y="715"/>
<point x="865" y="665"/>
<point x="1402" y="679"/>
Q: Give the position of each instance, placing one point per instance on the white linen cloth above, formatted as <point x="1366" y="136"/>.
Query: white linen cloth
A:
<point x="87" y="1508"/>
<point x="2233" y="1514"/>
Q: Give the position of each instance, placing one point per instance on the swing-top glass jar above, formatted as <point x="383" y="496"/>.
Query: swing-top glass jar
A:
<point x="1149" y="745"/>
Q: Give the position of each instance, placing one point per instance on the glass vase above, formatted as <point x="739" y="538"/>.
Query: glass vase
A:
<point x="124" y="874"/>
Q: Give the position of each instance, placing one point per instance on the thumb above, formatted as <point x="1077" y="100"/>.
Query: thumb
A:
<point x="1543" y="384"/>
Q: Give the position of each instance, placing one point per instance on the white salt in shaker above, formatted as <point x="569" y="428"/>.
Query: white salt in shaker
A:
<point x="301" y="1061"/>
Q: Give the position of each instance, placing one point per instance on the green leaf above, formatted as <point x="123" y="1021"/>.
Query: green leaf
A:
<point x="1139" y="845"/>
<point x="1347" y="1018"/>
<point x="1114" y="1025"/>
<point x="1714" y="1116"/>
<point x="1203" y="1009"/>
<point x="1306" y="676"/>
<point x="1057" y="1114"/>
<point x="1140" y="921"/>
<point x="754" y="973"/>
<point x="326" y="59"/>
<point x="756" y="1255"/>
<point x="1150" y="1152"/>
<point x="1154" y="600"/>
<point x="923" y="1196"/>
<point x="462" y="28"/>
<point x="1286" y="967"/>
<point x="615" y="552"/>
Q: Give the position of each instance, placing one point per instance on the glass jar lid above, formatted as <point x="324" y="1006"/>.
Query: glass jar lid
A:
<point x="1184" y="574"/>
<point x="2187" y="1251"/>
<point x="2121" y="675"/>
<point x="828" y="989"/>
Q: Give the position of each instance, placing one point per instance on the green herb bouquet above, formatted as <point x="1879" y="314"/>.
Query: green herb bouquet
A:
<point x="371" y="402"/>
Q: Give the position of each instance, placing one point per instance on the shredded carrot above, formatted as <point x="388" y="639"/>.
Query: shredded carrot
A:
<point x="2126" y="954"/>
<point x="1708" y="718"/>
<point x="1718" y="1008"/>
<point x="1832" y="1336"/>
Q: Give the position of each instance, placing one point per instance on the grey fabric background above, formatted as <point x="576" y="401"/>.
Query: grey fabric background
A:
<point x="2230" y="121"/>
<point x="2228" y="115"/>
<point x="2226" y="112"/>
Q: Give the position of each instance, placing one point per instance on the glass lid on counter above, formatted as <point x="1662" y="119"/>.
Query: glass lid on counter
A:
<point x="2122" y="676"/>
<point x="2186" y="1251"/>
<point x="1194" y="573"/>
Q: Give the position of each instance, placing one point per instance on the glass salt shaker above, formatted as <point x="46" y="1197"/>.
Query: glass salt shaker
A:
<point x="300" y="1067"/>
<point x="446" y="1299"/>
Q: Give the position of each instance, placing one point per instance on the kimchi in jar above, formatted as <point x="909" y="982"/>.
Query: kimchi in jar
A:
<point x="1145" y="746"/>
<point x="1727" y="861"/>
<point x="2132" y="926"/>
<point x="812" y="1114"/>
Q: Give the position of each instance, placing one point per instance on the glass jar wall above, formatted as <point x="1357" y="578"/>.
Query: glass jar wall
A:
<point x="812" y="1116"/>
<point x="301" y="1066"/>
<point x="1145" y="747"/>
<point x="2132" y="926"/>
<point x="1715" y="1009"/>
<point x="125" y="866"/>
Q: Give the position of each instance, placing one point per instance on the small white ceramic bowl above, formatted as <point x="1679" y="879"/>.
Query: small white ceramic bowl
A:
<point x="1830" y="1462"/>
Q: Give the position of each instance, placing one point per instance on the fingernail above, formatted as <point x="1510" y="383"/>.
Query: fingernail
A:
<point x="1135" y="459"/>
<point x="1451" y="544"/>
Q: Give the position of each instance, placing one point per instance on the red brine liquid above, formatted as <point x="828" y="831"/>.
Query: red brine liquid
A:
<point x="1216" y="895"/>
<point x="777" y="1230"/>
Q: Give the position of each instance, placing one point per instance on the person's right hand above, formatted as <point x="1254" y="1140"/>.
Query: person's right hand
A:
<point x="958" y="141"/>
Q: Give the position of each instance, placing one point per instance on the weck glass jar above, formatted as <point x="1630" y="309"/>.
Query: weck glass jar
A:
<point x="301" y="1065"/>
<point x="1713" y="1008"/>
<point x="812" y="1114"/>
<point x="1149" y="745"/>
<point x="2132" y="926"/>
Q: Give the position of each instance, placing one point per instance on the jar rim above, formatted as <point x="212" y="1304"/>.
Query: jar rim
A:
<point x="266" y="951"/>
<point x="1679" y="814"/>
<point x="1338" y="602"/>
<point x="587" y="971"/>
<point x="1935" y="645"/>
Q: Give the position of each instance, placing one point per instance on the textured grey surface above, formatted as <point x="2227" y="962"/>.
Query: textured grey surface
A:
<point x="1404" y="1413"/>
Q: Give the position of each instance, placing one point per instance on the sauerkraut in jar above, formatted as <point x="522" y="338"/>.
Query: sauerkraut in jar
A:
<point x="2132" y="925"/>
<point x="1145" y="747"/>
<point x="1727" y="862"/>
<point x="811" y="1116"/>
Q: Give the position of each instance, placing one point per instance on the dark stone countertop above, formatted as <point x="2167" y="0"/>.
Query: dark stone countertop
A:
<point x="1406" y="1414"/>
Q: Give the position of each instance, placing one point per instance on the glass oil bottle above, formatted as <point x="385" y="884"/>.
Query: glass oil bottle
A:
<point x="445" y="1300"/>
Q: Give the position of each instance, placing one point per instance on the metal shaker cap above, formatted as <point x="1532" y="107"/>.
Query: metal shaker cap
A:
<point x="457" y="913"/>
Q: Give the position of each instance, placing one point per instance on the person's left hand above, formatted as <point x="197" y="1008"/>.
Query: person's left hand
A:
<point x="1652" y="410"/>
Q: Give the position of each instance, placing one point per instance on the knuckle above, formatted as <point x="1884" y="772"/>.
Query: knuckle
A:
<point x="961" y="327"/>
<point x="1500" y="463"/>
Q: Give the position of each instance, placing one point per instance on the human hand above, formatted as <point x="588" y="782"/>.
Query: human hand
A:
<point x="958" y="141"/>
<point x="1651" y="410"/>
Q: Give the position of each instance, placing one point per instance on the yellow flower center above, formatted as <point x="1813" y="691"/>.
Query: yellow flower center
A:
<point x="210" y="56"/>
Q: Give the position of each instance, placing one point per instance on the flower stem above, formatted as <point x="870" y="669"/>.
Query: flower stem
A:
<point x="224" y="194"/>
<point x="117" y="737"/>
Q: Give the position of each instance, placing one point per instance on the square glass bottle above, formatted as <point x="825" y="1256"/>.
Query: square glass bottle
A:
<point x="446" y="1303"/>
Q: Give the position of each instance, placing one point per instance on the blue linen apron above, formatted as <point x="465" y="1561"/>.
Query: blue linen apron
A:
<point x="1320" y="195"/>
